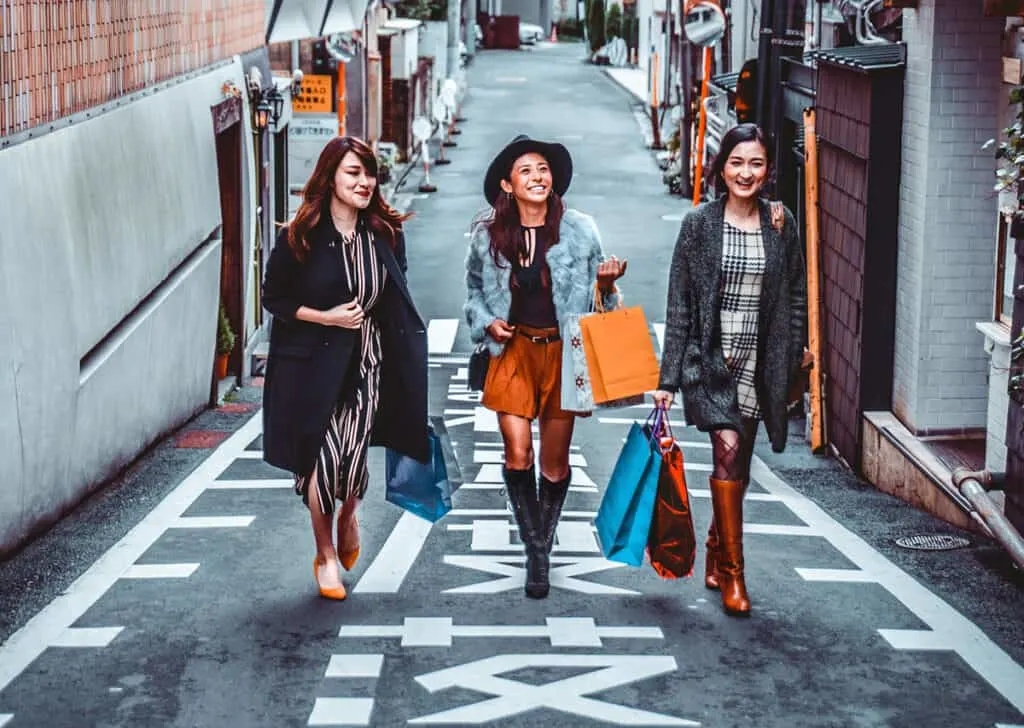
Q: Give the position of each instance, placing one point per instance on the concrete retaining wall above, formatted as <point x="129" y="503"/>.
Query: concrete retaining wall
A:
<point x="108" y="293"/>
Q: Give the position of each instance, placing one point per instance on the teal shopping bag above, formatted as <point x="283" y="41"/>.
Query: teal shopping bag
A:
<point x="624" y="518"/>
<point x="423" y="489"/>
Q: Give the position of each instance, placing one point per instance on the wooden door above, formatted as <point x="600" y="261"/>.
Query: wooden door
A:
<point x="227" y="118"/>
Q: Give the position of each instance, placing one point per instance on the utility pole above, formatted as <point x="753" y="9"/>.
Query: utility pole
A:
<point x="470" y="39"/>
<point x="454" y="10"/>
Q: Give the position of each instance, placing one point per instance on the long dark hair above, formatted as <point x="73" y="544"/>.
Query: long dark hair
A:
<point x="504" y="228"/>
<point x="733" y="138"/>
<point x="379" y="216"/>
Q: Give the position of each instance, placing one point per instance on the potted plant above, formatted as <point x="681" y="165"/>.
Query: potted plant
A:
<point x="1010" y="174"/>
<point x="225" y="342"/>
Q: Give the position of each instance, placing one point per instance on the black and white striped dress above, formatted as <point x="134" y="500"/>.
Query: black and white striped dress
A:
<point x="743" y="265"/>
<point x="340" y="471"/>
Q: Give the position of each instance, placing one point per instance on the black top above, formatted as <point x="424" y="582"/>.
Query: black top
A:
<point x="532" y="304"/>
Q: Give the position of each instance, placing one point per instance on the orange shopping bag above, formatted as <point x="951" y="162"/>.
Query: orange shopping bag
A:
<point x="671" y="542"/>
<point x="620" y="355"/>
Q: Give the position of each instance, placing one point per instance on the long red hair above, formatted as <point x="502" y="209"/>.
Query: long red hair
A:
<point x="379" y="216"/>
<point x="505" y="230"/>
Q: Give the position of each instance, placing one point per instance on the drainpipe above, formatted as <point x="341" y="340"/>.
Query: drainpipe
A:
<point x="973" y="485"/>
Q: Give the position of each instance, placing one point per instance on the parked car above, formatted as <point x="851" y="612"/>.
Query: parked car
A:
<point x="530" y="33"/>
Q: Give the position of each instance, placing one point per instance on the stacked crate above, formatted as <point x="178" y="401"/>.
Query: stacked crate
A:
<point x="60" y="57"/>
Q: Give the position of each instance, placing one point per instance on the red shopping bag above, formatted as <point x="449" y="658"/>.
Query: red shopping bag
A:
<point x="671" y="542"/>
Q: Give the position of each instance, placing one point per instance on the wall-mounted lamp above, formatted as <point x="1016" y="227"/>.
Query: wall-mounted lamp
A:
<point x="268" y="109"/>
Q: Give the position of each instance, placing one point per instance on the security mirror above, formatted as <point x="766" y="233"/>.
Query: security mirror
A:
<point x="705" y="24"/>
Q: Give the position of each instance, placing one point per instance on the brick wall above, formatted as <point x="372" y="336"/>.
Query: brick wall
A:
<point x="59" y="58"/>
<point x="953" y="104"/>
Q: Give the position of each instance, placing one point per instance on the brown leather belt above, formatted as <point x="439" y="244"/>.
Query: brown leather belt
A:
<point x="550" y="339"/>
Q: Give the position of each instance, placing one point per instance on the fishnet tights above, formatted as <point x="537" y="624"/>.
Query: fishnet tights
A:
<point x="732" y="451"/>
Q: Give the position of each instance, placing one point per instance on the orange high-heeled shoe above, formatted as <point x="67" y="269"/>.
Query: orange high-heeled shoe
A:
<point x="348" y="559"/>
<point x="337" y="593"/>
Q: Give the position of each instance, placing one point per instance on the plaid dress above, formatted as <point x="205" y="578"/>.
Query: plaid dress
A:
<point x="743" y="266"/>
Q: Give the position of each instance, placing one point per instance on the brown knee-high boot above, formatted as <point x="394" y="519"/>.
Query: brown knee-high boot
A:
<point x="711" y="552"/>
<point x="727" y="500"/>
<point x="711" y="558"/>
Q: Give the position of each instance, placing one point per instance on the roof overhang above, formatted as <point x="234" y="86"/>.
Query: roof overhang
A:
<point x="289" y="20"/>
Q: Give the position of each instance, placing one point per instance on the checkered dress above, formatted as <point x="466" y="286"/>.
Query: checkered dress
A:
<point x="742" y="272"/>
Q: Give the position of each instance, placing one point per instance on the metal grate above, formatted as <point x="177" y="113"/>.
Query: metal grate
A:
<point x="939" y="542"/>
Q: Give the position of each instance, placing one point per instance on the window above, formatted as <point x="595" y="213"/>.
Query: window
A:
<point x="1006" y="265"/>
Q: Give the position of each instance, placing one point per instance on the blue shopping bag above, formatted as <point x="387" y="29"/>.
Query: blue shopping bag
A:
<point x="423" y="489"/>
<point x="624" y="518"/>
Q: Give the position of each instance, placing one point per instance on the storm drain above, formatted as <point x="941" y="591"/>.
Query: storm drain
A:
<point x="940" y="542"/>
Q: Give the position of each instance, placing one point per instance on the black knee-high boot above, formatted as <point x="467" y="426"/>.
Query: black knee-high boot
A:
<point x="522" y="493"/>
<point x="552" y="498"/>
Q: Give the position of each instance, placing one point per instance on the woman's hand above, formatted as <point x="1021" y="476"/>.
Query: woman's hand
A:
<point x="662" y="399"/>
<point x="346" y="316"/>
<point x="500" y="331"/>
<point x="608" y="272"/>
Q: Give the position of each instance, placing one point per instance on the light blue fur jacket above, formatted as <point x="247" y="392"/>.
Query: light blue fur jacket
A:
<point x="573" y="262"/>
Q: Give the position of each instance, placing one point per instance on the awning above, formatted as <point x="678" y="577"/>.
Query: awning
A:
<point x="289" y="20"/>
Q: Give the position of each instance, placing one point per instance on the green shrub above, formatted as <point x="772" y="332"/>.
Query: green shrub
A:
<point x="595" y="24"/>
<point x="613" y="22"/>
<point x="225" y="335"/>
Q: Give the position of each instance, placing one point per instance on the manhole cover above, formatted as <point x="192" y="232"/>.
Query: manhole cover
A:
<point x="932" y="543"/>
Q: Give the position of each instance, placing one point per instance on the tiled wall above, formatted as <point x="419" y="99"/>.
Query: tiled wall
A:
<point x="954" y="100"/>
<point x="59" y="57"/>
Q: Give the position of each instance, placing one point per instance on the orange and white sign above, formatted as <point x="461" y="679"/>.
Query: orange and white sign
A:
<point x="315" y="96"/>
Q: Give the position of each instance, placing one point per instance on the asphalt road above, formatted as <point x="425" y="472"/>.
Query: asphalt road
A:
<point x="181" y="595"/>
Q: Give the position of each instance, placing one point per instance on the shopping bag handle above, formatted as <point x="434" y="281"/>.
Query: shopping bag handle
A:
<point x="597" y="305"/>
<point x="655" y="420"/>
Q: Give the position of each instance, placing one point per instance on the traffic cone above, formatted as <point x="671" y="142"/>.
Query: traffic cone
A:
<point x="554" y="34"/>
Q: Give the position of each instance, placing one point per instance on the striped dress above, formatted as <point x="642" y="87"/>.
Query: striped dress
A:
<point x="743" y="265"/>
<point x="341" y="471"/>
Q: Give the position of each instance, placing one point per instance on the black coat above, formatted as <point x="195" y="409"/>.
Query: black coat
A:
<point x="693" y="360"/>
<point x="308" y="364"/>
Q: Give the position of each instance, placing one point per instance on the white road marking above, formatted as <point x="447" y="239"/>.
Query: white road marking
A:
<point x="854" y="576"/>
<point x="767" y="497"/>
<point x="512" y="571"/>
<point x="25" y="645"/>
<point x="86" y="637"/>
<point x="496" y="456"/>
<point x="212" y="522"/>
<point x="494" y="536"/>
<point x="356" y="665"/>
<point x="559" y="631"/>
<point x="441" y="335"/>
<point x="389" y="568"/>
<point x="257" y="484"/>
<point x="341" y="711"/>
<point x="659" y="332"/>
<point x="160" y="571"/>
<point x="491" y="512"/>
<point x="250" y="455"/>
<point x="565" y="695"/>
<point x="5" y="718"/>
<point x="775" y="529"/>
<point x="961" y="635"/>
<point x="486" y="420"/>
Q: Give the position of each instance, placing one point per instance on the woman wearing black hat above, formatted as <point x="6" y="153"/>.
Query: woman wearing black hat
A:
<point x="532" y="262"/>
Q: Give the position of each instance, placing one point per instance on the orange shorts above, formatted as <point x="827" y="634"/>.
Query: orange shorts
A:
<point x="526" y="379"/>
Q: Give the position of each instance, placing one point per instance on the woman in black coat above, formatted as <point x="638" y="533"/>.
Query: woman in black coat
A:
<point x="347" y="366"/>
<point x="734" y="336"/>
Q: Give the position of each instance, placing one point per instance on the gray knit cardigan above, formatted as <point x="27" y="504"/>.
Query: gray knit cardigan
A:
<point x="573" y="262"/>
<point x="693" y="360"/>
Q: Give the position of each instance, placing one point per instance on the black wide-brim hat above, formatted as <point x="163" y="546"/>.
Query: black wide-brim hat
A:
<point x="501" y="167"/>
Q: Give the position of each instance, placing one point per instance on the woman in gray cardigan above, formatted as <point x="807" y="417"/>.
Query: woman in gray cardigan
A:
<point x="531" y="262"/>
<point x="734" y="336"/>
